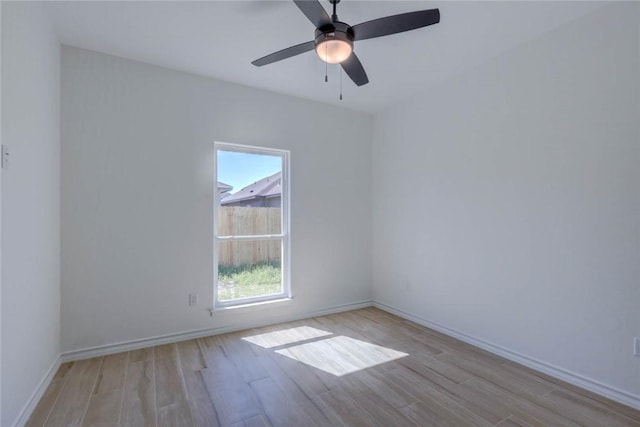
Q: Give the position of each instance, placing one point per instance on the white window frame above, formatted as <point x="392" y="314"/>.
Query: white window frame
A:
<point x="284" y="235"/>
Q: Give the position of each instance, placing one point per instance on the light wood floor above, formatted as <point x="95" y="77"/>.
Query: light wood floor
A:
<point x="360" y="368"/>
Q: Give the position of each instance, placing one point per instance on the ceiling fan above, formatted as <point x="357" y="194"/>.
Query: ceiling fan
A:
<point x="334" y="39"/>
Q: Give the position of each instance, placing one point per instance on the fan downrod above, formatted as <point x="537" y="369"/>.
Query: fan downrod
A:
<point x="334" y="15"/>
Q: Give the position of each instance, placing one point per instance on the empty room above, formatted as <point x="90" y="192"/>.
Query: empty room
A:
<point x="320" y="213"/>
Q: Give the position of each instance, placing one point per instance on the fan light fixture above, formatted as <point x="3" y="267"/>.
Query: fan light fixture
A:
<point x="334" y="51"/>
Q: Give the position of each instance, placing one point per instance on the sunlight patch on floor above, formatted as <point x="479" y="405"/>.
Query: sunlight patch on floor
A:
<point x="286" y="336"/>
<point x="341" y="355"/>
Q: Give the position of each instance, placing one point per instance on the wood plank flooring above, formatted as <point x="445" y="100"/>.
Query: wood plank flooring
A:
<point x="359" y="368"/>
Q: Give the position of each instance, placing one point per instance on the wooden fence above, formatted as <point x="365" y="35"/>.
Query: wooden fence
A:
<point x="245" y="221"/>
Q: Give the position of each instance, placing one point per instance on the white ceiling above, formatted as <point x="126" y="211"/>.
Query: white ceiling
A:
<point x="220" y="39"/>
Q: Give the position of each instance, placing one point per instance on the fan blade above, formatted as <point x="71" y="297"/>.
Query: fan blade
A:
<point x="395" y="24"/>
<point x="313" y="10"/>
<point x="355" y="70"/>
<point x="285" y="53"/>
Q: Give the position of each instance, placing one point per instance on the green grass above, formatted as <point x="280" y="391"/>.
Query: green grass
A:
<point x="249" y="280"/>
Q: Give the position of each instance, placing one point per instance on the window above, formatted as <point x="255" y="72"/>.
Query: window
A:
<point x="251" y="225"/>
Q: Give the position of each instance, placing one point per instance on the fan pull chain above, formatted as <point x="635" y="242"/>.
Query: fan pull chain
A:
<point x="326" y="78"/>
<point x="340" y="83"/>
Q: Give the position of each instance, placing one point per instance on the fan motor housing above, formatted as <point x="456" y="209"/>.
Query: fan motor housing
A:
<point x="335" y="31"/>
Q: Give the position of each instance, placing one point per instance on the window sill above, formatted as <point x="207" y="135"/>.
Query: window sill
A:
<point x="251" y="304"/>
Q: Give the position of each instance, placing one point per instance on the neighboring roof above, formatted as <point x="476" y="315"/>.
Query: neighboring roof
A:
<point x="264" y="188"/>
<point x="224" y="187"/>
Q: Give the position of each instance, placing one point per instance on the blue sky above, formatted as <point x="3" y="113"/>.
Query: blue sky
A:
<point x="242" y="169"/>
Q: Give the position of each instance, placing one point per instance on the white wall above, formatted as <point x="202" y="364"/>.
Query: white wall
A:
<point x="30" y="203"/>
<point x="137" y="197"/>
<point x="0" y="213"/>
<point x="507" y="200"/>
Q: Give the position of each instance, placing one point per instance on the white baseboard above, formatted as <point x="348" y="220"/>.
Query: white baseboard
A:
<point x="104" y="350"/>
<point x="589" y="384"/>
<point x="28" y="408"/>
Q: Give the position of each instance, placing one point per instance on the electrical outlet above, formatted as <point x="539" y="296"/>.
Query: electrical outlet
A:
<point x="4" y="153"/>
<point x="193" y="299"/>
<point x="636" y="346"/>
